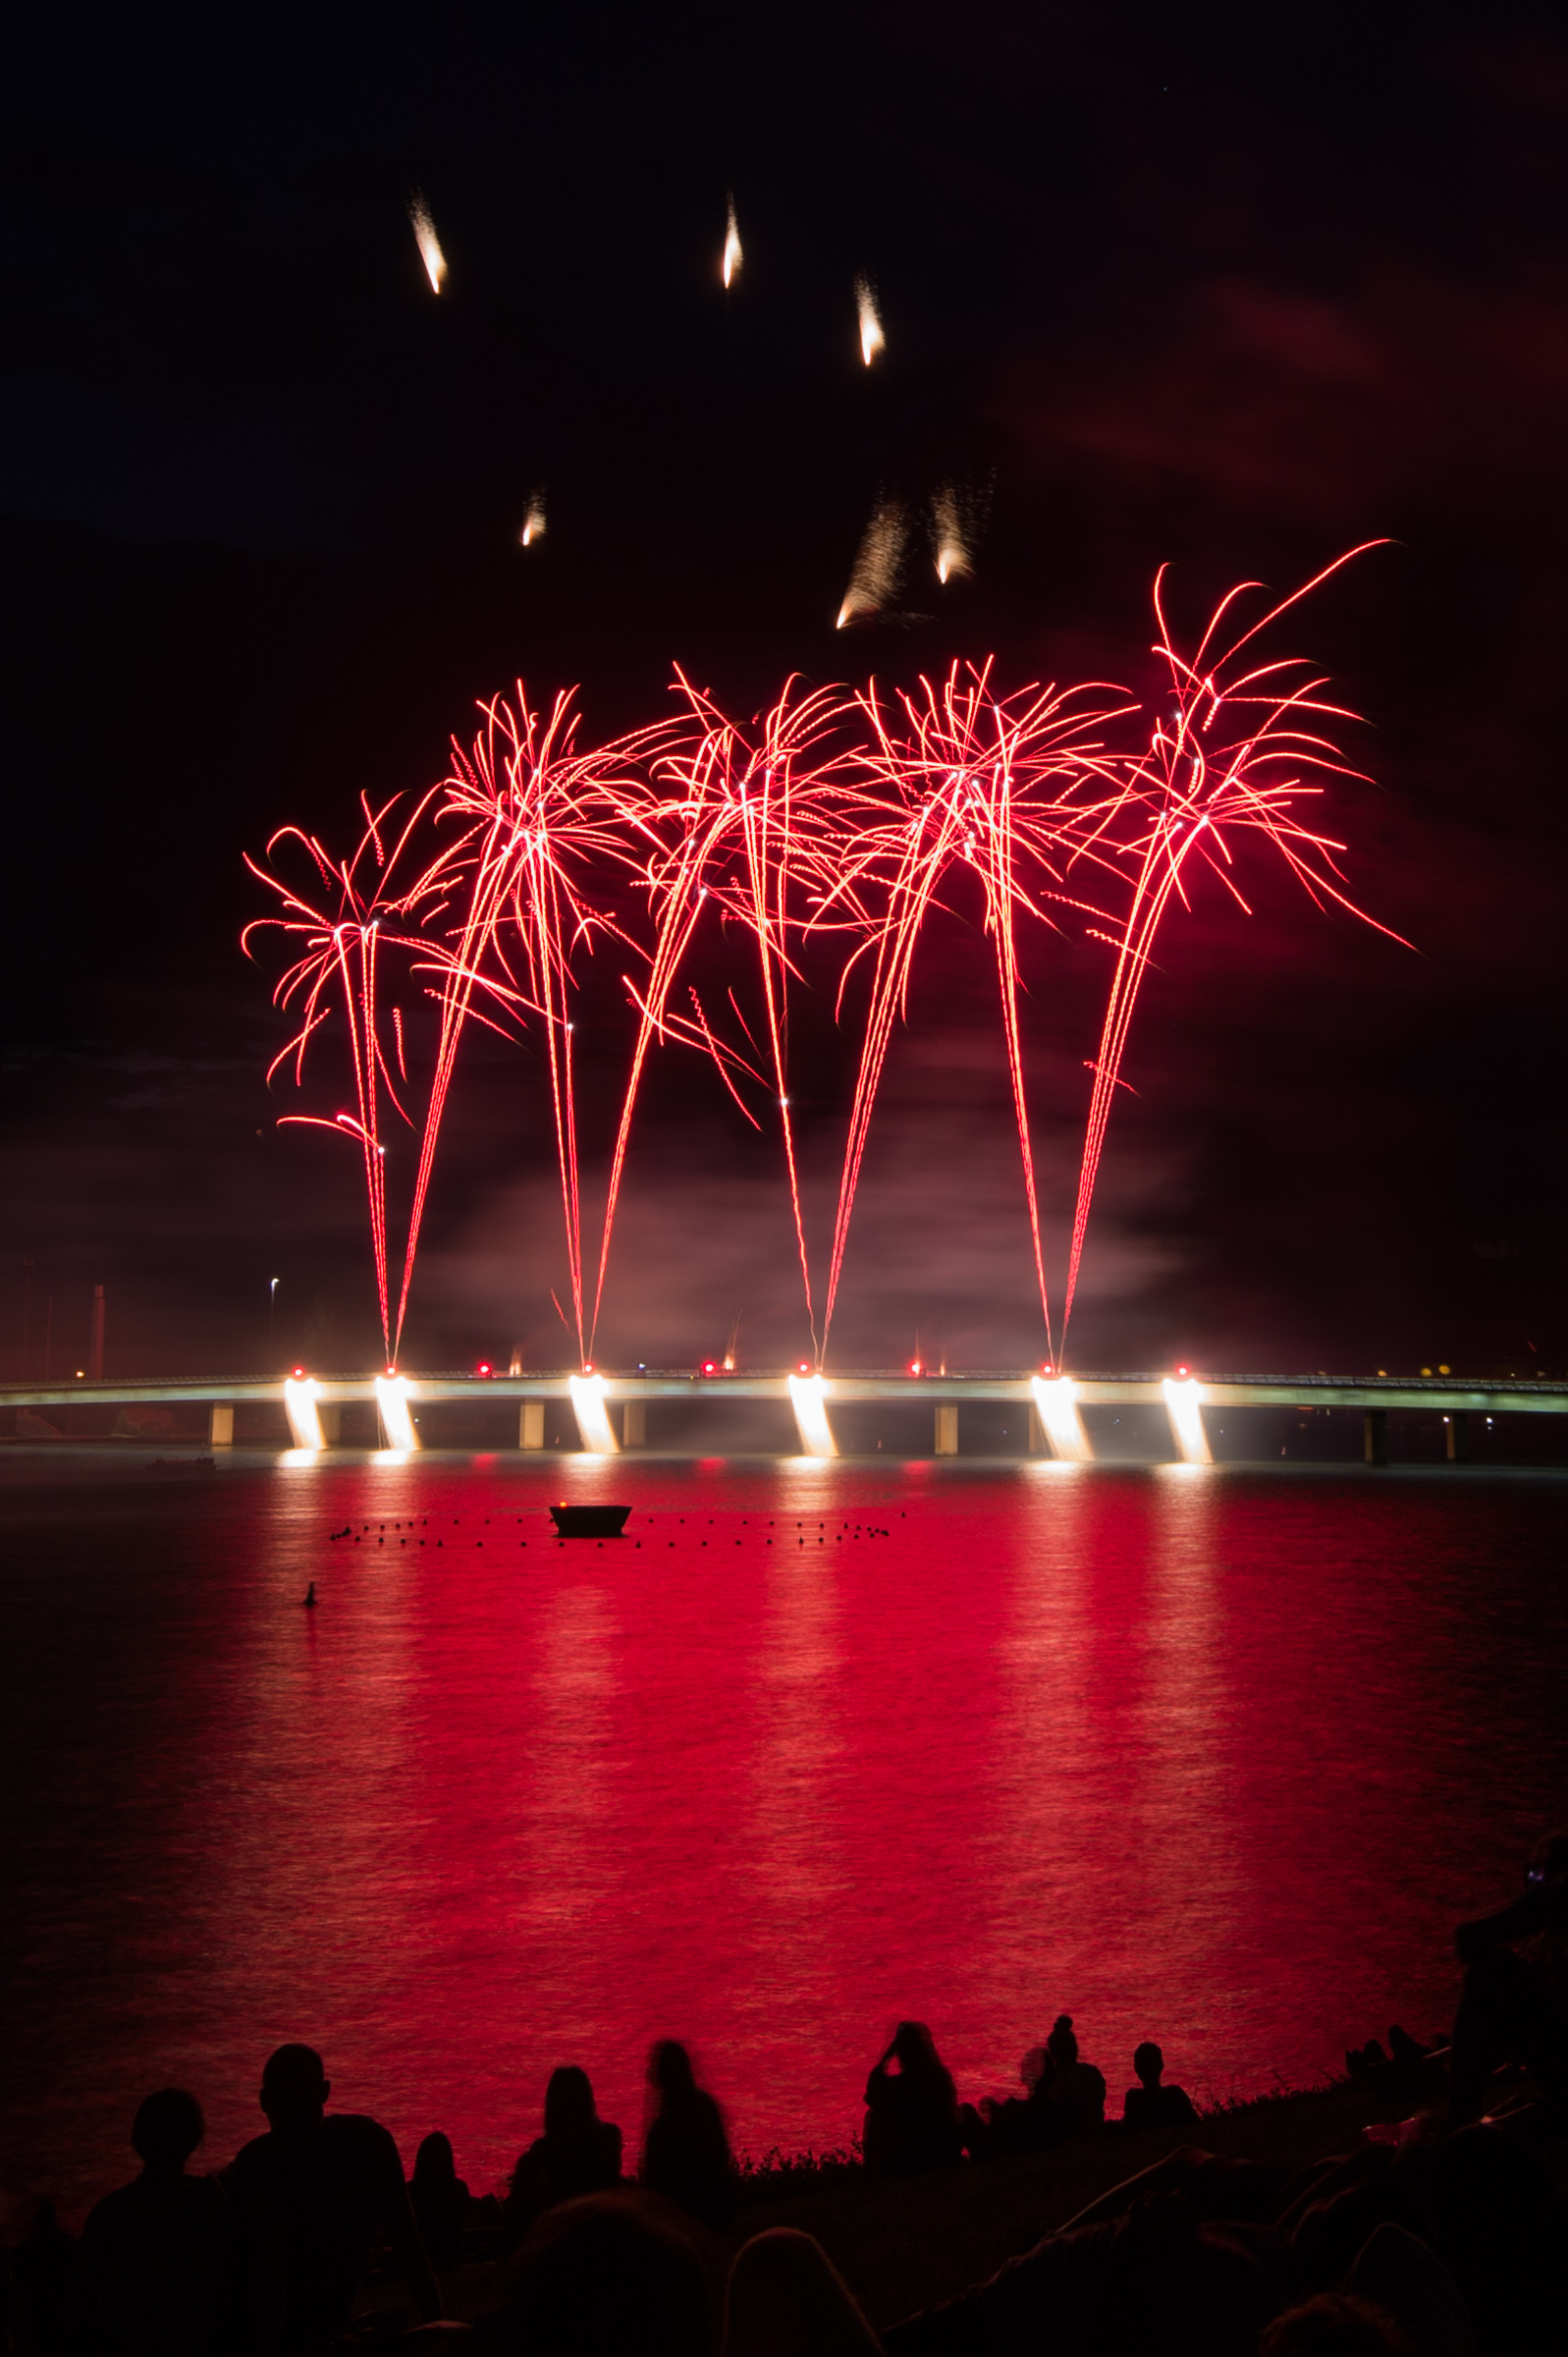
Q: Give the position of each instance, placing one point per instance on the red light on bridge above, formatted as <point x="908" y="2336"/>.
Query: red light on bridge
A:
<point x="299" y="1374"/>
<point x="1047" y="1368"/>
<point x="1184" y="1370"/>
<point x="914" y="1367"/>
<point x="709" y="1366"/>
<point x="484" y="1367"/>
<point x="803" y="1368"/>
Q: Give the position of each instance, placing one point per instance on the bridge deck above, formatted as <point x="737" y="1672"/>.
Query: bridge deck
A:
<point x="1440" y="1394"/>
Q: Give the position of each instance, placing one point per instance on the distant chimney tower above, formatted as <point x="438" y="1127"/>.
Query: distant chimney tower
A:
<point x="95" y="1347"/>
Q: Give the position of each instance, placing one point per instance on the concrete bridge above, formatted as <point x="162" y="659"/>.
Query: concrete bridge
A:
<point x="610" y="1412"/>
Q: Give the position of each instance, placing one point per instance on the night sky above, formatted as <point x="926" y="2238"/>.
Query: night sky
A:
<point x="1225" y="289"/>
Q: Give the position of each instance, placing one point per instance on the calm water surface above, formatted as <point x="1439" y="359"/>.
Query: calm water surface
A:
<point x="1217" y="1758"/>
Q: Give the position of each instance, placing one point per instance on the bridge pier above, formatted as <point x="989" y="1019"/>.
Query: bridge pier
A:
<point x="946" y="1428"/>
<point x="220" y="1427"/>
<point x="634" y="1424"/>
<point x="1456" y="1433"/>
<point x="1375" y="1435"/>
<point x="531" y="1424"/>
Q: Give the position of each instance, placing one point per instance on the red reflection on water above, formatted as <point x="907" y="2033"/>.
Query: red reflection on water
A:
<point x="1211" y="1758"/>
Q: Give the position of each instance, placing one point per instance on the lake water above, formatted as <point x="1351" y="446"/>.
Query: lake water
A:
<point x="1217" y="1757"/>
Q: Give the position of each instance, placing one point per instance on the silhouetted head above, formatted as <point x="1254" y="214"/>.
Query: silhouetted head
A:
<point x="1061" y="2045"/>
<point x="1335" y="2325"/>
<point x="608" y="2275"/>
<point x="167" y="2129"/>
<point x="569" y="2108"/>
<point x="1548" y="1860"/>
<point x="669" y="2068"/>
<point x="433" y="2163"/>
<point x="1501" y="2224"/>
<point x="915" y="2048"/>
<point x="1328" y="2234"/>
<point x="295" y="2087"/>
<point x="1148" y="2061"/>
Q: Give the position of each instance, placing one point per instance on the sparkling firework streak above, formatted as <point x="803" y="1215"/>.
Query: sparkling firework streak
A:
<point x="872" y="338"/>
<point x="733" y="256"/>
<point x="1238" y="750"/>
<point x="1016" y="790"/>
<point x="763" y="806"/>
<point x="837" y="824"/>
<point x="533" y="523"/>
<point x="429" y="244"/>
<point x="879" y="564"/>
<point x="540" y="819"/>
<point x="345" y="919"/>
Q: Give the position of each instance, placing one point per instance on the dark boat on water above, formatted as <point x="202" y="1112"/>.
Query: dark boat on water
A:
<point x="589" y="1521"/>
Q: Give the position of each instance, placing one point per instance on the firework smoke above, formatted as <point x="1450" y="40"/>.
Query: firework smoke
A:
<point x="879" y="566"/>
<point x="424" y="229"/>
<point x="872" y="338"/>
<point x="733" y="256"/>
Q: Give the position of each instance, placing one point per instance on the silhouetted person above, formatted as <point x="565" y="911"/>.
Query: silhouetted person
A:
<point x="1513" y="2008"/>
<point x="610" y="2276"/>
<point x="157" y="2268"/>
<point x="1075" y="2090"/>
<point x="911" y="2110"/>
<point x="42" y="2261"/>
<point x="578" y="2153"/>
<point x="1152" y="2283"/>
<point x="785" y="2298"/>
<point x="317" y="2194"/>
<point x="685" y="2153"/>
<point x="1150" y="2105"/>
<point x="1337" y="2324"/>
<point x="1501" y="2227"/>
<point x="442" y="2205"/>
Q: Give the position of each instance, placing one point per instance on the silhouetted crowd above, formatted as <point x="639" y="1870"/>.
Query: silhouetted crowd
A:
<point x="1441" y="2236"/>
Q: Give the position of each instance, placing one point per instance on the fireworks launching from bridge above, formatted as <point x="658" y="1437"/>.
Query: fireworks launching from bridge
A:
<point x="833" y="828"/>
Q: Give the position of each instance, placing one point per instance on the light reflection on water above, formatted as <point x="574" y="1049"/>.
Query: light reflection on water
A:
<point x="1211" y="1756"/>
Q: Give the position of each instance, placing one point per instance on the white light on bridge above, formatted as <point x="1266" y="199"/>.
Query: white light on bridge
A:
<point x="392" y="1394"/>
<point x="808" y="1397"/>
<point x="1184" y="1407"/>
<point x="593" y="1418"/>
<point x="1056" y="1403"/>
<point x="299" y="1395"/>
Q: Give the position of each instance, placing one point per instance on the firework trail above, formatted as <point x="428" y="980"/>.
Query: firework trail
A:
<point x="879" y="564"/>
<point x="1237" y="752"/>
<point x="345" y="922"/>
<point x="534" y="523"/>
<point x="951" y="536"/>
<point x="960" y="778"/>
<point x="740" y="821"/>
<point x="872" y="338"/>
<point x="733" y="256"/>
<point x="429" y="244"/>
<point x="540" y="817"/>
